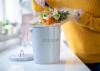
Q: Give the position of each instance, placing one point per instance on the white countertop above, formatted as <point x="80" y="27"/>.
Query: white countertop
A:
<point x="69" y="62"/>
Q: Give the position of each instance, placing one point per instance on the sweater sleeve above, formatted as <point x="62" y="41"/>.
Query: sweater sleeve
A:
<point x="90" y="22"/>
<point x="38" y="8"/>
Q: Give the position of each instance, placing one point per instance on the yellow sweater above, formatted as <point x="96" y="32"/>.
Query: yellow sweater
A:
<point x="37" y="7"/>
<point x="83" y="36"/>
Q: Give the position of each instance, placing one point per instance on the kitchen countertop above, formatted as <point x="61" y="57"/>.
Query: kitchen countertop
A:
<point x="68" y="61"/>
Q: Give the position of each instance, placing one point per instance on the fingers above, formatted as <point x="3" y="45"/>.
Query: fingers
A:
<point x="75" y="13"/>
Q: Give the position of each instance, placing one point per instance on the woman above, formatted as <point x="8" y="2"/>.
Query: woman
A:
<point x="82" y="32"/>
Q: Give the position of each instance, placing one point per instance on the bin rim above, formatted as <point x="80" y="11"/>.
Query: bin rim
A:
<point x="43" y="26"/>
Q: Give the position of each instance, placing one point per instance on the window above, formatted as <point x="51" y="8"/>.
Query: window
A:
<point x="11" y="10"/>
<point x="1" y="9"/>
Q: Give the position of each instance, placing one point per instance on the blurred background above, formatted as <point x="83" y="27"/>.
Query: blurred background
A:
<point x="15" y="16"/>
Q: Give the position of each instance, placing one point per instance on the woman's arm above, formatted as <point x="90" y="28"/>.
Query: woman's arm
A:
<point x="86" y="20"/>
<point x="90" y="22"/>
<point x="39" y="6"/>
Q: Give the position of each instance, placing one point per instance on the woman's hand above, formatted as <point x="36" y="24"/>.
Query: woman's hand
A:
<point x="75" y="14"/>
